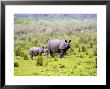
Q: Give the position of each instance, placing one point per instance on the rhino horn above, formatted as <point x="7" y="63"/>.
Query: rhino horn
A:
<point x="69" y="41"/>
<point x="66" y="41"/>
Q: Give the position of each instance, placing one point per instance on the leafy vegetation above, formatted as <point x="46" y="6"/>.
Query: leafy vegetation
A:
<point x="80" y="59"/>
<point x="16" y="64"/>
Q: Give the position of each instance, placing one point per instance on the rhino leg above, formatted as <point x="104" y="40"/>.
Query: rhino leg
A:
<point x="47" y="53"/>
<point x="62" y="54"/>
<point x="32" y="57"/>
<point x="51" y="53"/>
<point x="31" y="54"/>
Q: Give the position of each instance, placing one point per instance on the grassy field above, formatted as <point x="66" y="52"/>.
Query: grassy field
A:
<point x="69" y="66"/>
<point x="80" y="59"/>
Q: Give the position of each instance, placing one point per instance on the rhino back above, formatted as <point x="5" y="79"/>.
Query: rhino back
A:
<point x="35" y="50"/>
<point x="53" y="45"/>
<point x="40" y="50"/>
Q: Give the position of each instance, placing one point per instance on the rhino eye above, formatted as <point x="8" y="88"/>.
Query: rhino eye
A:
<point x="65" y="44"/>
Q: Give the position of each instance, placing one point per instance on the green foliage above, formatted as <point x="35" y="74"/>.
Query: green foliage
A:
<point x="79" y="49"/>
<point x="16" y="64"/>
<point x="26" y="57"/>
<point x="95" y="51"/>
<point x="91" y="45"/>
<point x="18" y="50"/>
<point x="62" y="66"/>
<point x="92" y="52"/>
<point x="39" y="61"/>
<point x="45" y="62"/>
<point x="83" y="49"/>
<point x="22" y="21"/>
<point x="82" y="55"/>
<point x="34" y="41"/>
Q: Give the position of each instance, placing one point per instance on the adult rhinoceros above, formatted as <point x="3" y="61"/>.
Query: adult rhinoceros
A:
<point x="58" y="46"/>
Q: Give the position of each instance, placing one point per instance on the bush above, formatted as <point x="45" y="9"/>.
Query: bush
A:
<point x="81" y="55"/>
<point x="62" y="66"/>
<point x="16" y="64"/>
<point x="18" y="50"/>
<point x="76" y="45"/>
<point x="71" y="50"/>
<point x="92" y="52"/>
<point x="87" y="53"/>
<point x="26" y="57"/>
<point x="95" y="51"/>
<point x="76" y="51"/>
<point x="34" y="41"/>
<point x="55" y="59"/>
<point x="83" y="49"/>
<point x="79" y="49"/>
<point x="45" y="63"/>
<point x="39" y="61"/>
<point x="91" y="45"/>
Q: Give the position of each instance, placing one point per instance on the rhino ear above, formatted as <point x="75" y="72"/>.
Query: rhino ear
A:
<point x="69" y="41"/>
<point x="66" y="41"/>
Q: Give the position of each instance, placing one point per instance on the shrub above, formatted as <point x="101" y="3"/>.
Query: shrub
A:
<point x="17" y="50"/>
<point x="39" y="61"/>
<point x="87" y="53"/>
<point x="62" y="66"/>
<point x="95" y="51"/>
<point x="55" y="59"/>
<point x="26" y="57"/>
<point x="79" y="49"/>
<point x="71" y="51"/>
<point x="16" y="64"/>
<point x="92" y="52"/>
<point x="76" y="45"/>
<point x="34" y="41"/>
<point x="24" y="53"/>
<point x="83" y="49"/>
<point x="17" y="57"/>
<point x="45" y="63"/>
<point x="91" y="45"/>
<point x="55" y="66"/>
<point x="81" y="55"/>
<point x="76" y="51"/>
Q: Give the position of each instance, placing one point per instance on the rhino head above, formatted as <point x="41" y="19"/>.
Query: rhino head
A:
<point x="45" y="50"/>
<point x="67" y="45"/>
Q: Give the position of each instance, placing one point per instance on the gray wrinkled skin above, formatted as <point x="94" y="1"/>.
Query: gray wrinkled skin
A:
<point x="58" y="46"/>
<point x="35" y="51"/>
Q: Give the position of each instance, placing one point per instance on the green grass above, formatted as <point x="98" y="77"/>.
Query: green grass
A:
<point x="69" y="66"/>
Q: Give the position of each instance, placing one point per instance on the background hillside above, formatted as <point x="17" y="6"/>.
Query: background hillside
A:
<point x="57" y="16"/>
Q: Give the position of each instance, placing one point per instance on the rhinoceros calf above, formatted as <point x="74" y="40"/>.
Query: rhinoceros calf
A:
<point x="58" y="46"/>
<point x="35" y="51"/>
